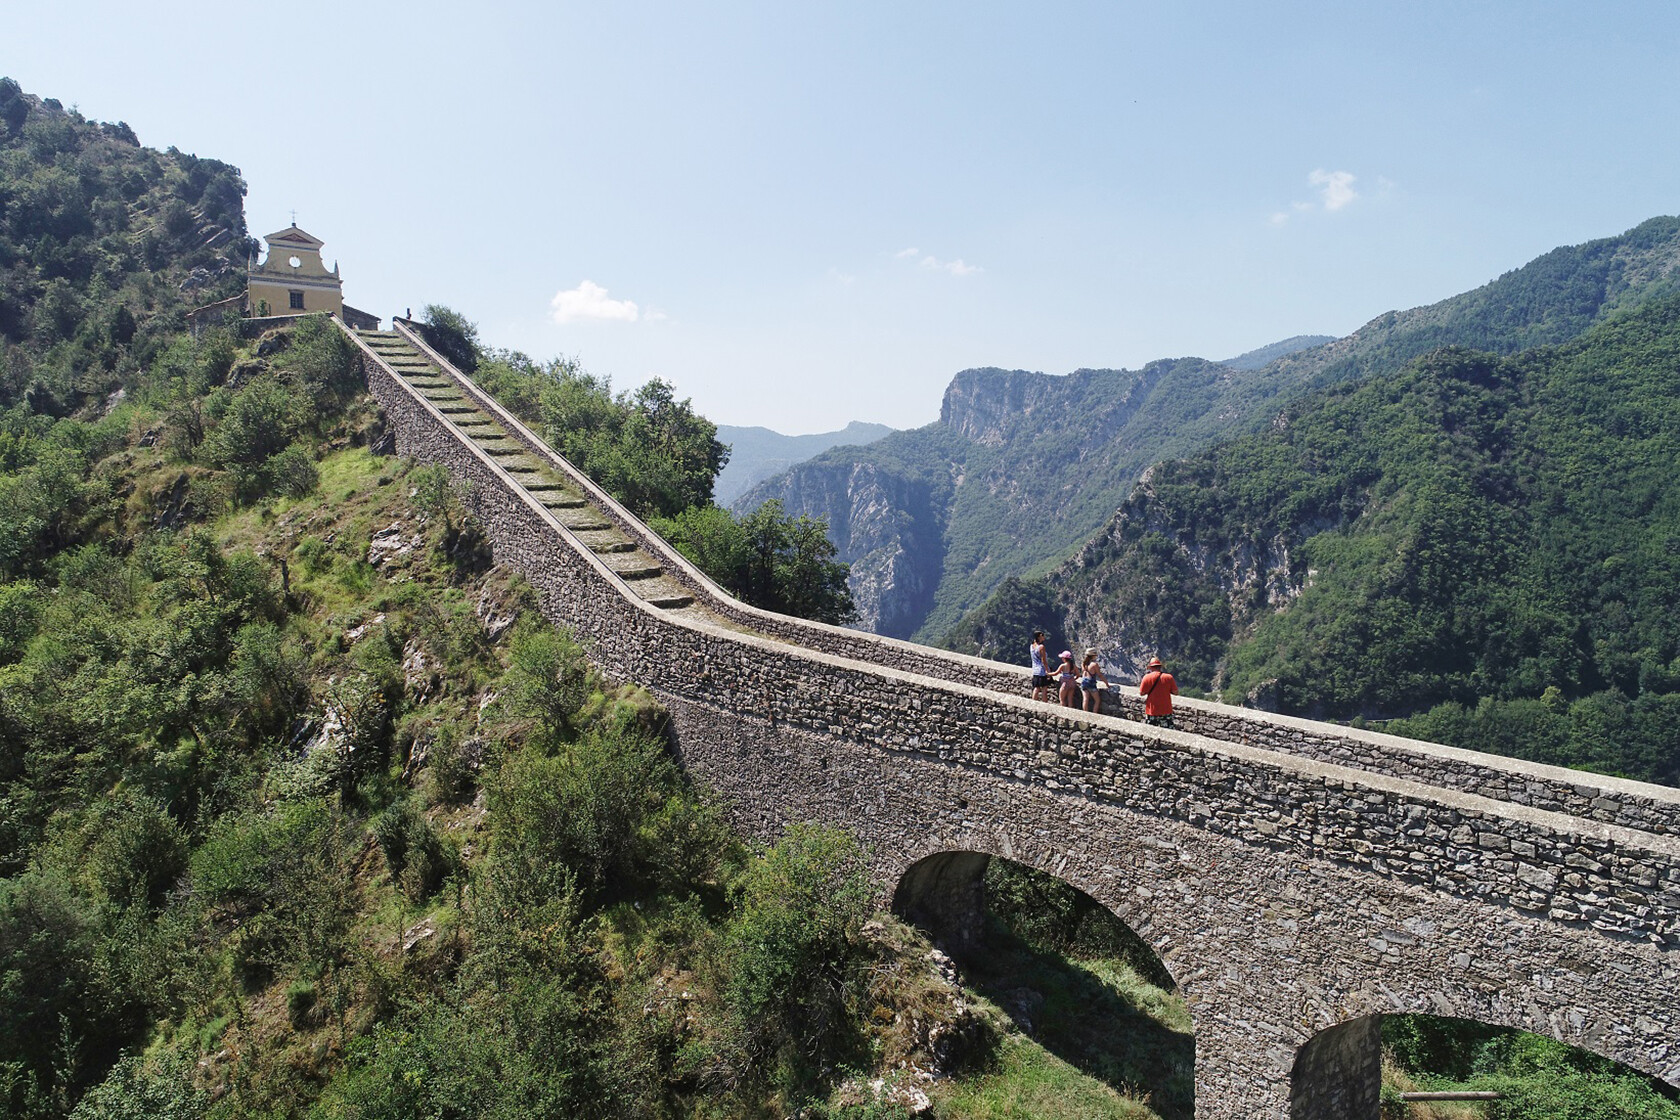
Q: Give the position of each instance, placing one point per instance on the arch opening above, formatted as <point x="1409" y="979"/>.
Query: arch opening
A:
<point x="1403" y="1067"/>
<point x="1074" y="980"/>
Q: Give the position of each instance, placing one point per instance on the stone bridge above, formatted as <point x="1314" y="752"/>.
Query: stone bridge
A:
<point x="1299" y="880"/>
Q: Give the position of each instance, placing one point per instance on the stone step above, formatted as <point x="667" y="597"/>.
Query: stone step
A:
<point x="592" y="524"/>
<point x="669" y="601"/>
<point x="501" y="450"/>
<point x="608" y="548"/>
<point x="630" y="573"/>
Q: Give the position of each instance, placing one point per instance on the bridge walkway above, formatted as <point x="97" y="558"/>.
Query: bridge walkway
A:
<point x="643" y="574"/>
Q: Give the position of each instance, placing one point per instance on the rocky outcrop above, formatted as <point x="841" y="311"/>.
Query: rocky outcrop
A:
<point x="887" y="523"/>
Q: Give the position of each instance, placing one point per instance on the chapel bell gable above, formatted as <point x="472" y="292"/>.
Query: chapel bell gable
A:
<point x="292" y="279"/>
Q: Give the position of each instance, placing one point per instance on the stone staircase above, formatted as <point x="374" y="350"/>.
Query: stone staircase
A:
<point x="641" y="572"/>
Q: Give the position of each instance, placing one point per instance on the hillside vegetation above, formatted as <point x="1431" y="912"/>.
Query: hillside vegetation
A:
<point x="104" y="246"/>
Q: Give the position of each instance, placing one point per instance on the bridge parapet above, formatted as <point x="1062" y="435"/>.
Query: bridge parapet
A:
<point x="1614" y="801"/>
<point x="1620" y="881"/>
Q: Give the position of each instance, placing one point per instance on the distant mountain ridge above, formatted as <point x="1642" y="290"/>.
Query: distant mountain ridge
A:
<point x="1023" y="468"/>
<point x="758" y="453"/>
<point x="1265" y="355"/>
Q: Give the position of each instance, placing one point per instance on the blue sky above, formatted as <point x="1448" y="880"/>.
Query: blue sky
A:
<point x="805" y="214"/>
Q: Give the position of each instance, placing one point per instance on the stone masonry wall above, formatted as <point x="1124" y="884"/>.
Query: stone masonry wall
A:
<point x="1270" y="949"/>
<point x="1612" y="878"/>
<point x="1593" y="797"/>
<point x="1600" y="897"/>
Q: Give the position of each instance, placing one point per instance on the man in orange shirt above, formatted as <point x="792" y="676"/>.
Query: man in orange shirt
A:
<point x="1157" y="689"/>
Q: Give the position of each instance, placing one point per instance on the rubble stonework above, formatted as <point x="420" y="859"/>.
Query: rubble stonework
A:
<point x="1294" y="877"/>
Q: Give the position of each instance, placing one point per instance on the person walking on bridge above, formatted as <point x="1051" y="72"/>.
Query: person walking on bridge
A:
<point x="1157" y="689"/>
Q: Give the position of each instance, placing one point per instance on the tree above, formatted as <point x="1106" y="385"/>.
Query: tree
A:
<point x="767" y="558"/>
<point x="451" y="334"/>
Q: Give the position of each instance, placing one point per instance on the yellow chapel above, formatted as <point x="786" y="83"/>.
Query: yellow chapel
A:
<point x="292" y="279"/>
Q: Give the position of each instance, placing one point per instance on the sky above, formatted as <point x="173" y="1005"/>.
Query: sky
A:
<point x="801" y="215"/>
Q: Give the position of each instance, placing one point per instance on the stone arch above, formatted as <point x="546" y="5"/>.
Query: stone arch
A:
<point x="1046" y="977"/>
<point x="1338" y="1071"/>
<point x="943" y="894"/>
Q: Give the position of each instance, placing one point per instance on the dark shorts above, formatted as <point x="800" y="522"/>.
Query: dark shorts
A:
<point x="1089" y="684"/>
<point x="1041" y="681"/>
<point x="1160" y="721"/>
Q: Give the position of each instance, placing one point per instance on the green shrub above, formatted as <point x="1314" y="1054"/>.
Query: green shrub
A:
<point x="302" y="1004"/>
<point x="145" y="1088"/>
<point x="592" y="809"/>
<point x="291" y="473"/>
<point x="793" y="954"/>
<point x="547" y="678"/>
<point x="412" y="850"/>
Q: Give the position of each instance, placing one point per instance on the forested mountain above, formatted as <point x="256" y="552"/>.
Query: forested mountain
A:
<point x="1023" y="468"/>
<point x="1488" y="545"/>
<point x="104" y="246"/>
<point x="756" y="454"/>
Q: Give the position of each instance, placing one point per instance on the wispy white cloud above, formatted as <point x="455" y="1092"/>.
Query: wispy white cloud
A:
<point x="956" y="268"/>
<point x="589" y="301"/>
<point x="1335" y="188"/>
<point x="1335" y="191"/>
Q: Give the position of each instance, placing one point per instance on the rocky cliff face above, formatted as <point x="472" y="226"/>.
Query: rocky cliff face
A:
<point x="1021" y="468"/>
<point x="886" y="521"/>
<point x="1149" y="585"/>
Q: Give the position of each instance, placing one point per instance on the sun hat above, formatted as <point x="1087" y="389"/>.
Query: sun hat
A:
<point x="1154" y="662"/>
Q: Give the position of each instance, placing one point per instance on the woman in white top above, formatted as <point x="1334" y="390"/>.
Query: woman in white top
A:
<point x="1040" y="666"/>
